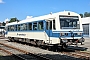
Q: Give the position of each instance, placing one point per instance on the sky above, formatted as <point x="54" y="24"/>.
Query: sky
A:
<point x="23" y="8"/>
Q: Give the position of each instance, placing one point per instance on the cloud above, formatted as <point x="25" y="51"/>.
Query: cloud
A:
<point x="1" y="1"/>
<point x="6" y="20"/>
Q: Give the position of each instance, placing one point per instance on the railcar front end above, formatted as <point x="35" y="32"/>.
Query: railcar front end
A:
<point x="71" y="29"/>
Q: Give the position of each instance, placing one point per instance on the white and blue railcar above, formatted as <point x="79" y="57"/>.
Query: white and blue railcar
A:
<point x="56" y="29"/>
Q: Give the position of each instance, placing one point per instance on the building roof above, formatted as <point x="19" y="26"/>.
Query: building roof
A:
<point x="85" y="20"/>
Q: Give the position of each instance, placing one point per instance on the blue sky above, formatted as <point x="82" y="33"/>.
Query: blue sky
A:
<point x="23" y="8"/>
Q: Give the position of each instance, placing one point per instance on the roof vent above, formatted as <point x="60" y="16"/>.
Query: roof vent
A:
<point x="68" y="13"/>
<point x="51" y="13"/>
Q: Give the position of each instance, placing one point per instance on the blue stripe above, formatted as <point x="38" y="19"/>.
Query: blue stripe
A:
<point x="67" y="31"/>
<point x="29" y="31"/>
<point x="49" y="33"/>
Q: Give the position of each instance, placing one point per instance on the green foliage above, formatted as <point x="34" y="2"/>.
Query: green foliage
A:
<point x="87" y="14"/>
<point x="13" y="20"/>
<point x="81" y="15"/>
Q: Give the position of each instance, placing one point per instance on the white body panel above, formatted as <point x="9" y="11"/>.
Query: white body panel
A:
<point x="34" y="35"/>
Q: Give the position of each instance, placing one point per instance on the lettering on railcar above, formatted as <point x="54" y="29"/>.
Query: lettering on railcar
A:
<point x="21" y="34"/>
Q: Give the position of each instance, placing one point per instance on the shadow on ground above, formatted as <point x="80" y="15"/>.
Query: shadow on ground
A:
<point x="54" y="56"/>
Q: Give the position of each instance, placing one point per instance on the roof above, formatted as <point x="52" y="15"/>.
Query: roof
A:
<point x="85" y="20"/>
<point x="13" y="23"/>
<point x="46" y="17"/>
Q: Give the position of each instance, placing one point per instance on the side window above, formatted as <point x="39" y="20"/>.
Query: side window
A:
<point x="40" y="25"/>
<point x="30" y="26"/>
<point x="54" y="25"/>
<point x="23" y="27"/>
<point x="8" y="28"/>
<point x="18" y="27"/>
<point x="49" y="25"/>
<point x="12" y="28"/>
<point x="15" y="27"/>
<point x="35" y="26"/>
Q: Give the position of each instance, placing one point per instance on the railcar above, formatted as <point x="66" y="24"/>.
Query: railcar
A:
<point x="62" y="28"/>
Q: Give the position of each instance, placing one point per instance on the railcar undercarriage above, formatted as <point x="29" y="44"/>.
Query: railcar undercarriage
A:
<point x="40" y="43"/>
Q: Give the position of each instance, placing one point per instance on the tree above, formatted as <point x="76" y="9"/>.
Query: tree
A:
<point x="3" y="24"/>
<point x="13" y="20"/>
<point x="87" y="14"/>
<point x="81" y="15"/>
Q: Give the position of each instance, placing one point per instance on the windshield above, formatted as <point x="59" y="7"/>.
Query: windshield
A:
<point x="69" y="22"/>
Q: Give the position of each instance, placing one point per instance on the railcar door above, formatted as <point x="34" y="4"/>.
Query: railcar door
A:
<point x="49" y="30"/>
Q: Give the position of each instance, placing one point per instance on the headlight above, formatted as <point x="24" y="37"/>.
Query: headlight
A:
<point x="79" y="33"/>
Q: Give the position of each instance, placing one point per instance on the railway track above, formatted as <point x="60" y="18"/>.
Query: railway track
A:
<point x="21" y="54"/>
<point x="46" y="56"/>
<point x="78" y="54"/>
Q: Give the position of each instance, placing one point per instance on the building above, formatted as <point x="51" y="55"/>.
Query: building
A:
<point x="0" y="24"/>
<point x="86" y="26"/>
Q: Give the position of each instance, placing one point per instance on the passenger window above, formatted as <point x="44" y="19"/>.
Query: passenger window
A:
<point x="15" y="27"/>
<point x="30" y="26"/>
<point x="8" y="28"/>
<point x="35" y="26"/>
<point x="12" y="28"/>
<point x="18" y="27"/>
<point x="54" y="25"/>
<point x="23" y="27"/>
<point x="40" y="25"/>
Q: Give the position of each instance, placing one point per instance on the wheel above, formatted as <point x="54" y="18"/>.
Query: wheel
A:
<point x="64" y="46"/>
<point x="50" y="48"/>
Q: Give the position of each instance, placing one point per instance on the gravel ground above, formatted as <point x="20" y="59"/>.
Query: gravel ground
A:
<point x="86" y="44"/>
<point x="3" y="53"/>
<point x="51" y="54"/>
<point x="36" y="50"/>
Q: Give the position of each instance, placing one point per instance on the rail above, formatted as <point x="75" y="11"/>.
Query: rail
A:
<point x="25" y="52"/>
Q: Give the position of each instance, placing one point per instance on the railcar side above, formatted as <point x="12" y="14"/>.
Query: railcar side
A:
<point x="61" y="28"/>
